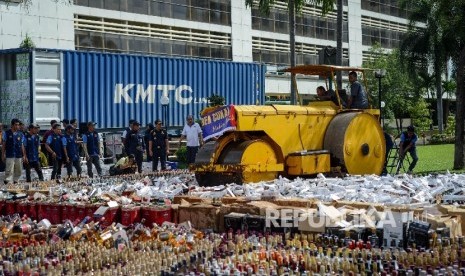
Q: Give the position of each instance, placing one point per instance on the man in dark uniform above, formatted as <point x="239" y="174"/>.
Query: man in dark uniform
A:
<point x="159" y="146"/>
<point x="32" y="152"/>
<point x="408" y="141"/>
<point x="13" y="152"/>
<point x="91" y="146"/>
<point x="70" y="148"/>
<point x="54" y="146"/>
<point x="134" y="144"/>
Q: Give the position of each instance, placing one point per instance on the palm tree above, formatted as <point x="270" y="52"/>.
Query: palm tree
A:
<point x="451" y="17"/>
<point x="424" y="45"/>
<point x="442" y="37"/>
<point x="264" y="6"/>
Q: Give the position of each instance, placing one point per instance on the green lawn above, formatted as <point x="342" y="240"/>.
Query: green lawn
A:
<point x="434" y="158"/>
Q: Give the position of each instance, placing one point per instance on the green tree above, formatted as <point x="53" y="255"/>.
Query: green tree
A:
<point x="215" y="100"/>
<point x="402" y="97"/>
<point x="424" y="45"/>
<point x="264" y="6"/>
<point x="442" y="37"/>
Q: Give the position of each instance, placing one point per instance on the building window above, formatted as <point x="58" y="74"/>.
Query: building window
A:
<point x="308" y="24"/>
<point x="385" y="33"/>
<point x="386" y="7"/>
<point x="212" y="11"/>
<point x="94" y="33"/>
<point x="276" y="52"/>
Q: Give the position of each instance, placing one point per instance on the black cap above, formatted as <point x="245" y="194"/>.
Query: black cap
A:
<point x="132" y="121"/>
<point x="136" y="123"/>
<point x="69" y="127"/>
<point x="52" y="122"/>
<point x="65" y="121"/>
<point x="410" y="128"/>
<point x="91" y="123"/>
<point x="72" y="121"/>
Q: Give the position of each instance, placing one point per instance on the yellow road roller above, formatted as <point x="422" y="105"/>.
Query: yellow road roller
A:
<point x="294" y="140"/>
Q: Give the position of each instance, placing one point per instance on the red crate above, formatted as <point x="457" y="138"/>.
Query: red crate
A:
<point x="33" y="210"/>
<point x="110" y="215"/>
<point x="41" y="210"/>
<point x="156" y="215"/>
<point x="90" y="210"/>
<point x="130" y="215"/>
<point x="55" y="212"/>
<point x="10" y="207"/>
<point x="2" y="207"/>
<point x="69" y="211"/>
<point x="81" y="212"/>
<point x="23" y="208"/>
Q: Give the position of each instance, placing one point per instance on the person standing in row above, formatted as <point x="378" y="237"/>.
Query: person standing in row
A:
<point x="54" y="146"/>
<point x="193" y="134"/>
<point x="134" y="144"/>
<point x="32" y="145"/>
<point x="91" y="142"/>
<point x="70" y="148"/>
<point x="147" y="139"/>
<point x="13" y="152"/>
<point x="126" y="131"/>
<point x="159" y="146"/>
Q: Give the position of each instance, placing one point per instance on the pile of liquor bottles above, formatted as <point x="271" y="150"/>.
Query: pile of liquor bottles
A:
<point x="87" y="248"/>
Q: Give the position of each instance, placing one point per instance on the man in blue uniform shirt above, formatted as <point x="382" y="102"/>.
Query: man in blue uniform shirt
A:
<point x="91" y="143"/>
<point x="159" y="146"/>
<point x="134" y="144"/>
<point x="70" y="148"/>
<point x="13" y="152"/>
<point x="32" y="152"/>
<point x="54" y="146"/>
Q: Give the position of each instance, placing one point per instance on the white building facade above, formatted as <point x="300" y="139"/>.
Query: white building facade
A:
<point x="219" y="29"/>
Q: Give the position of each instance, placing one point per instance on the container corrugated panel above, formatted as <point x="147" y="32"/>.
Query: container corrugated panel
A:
<point x="110" y="89"/>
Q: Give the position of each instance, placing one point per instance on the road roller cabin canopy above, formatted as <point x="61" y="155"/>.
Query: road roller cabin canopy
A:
<point x="328" y="72"/>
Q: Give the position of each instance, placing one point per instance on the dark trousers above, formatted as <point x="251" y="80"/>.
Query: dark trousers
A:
<point x="2" y="165"/>
<point x="36" y="167"/>
<point x="94" y="159"/>
<point x="413" y="154"/>
<point x="77" y="164"/>
<point x="56" y="172"/>
<point x="191" y="153"/>
<point x="149" y="158"/>
<point x="159" y="153"/>
<point x="139" y="159"/>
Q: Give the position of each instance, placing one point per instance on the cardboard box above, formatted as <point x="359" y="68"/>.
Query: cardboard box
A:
<point x="191" y="199"/>
<point x="358" y="205"/>
<point x="303" y="203"/>
<point x="201" y="216"/>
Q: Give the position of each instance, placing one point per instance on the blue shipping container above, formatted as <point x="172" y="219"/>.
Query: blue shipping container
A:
<point x="110" y="89"/>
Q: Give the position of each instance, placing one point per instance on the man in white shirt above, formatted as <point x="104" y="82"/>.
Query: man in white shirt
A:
<point x="193" y="134"/>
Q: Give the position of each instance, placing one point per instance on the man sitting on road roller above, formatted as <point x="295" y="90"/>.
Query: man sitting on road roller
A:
<point x="358" y="97"/>
<point x="328" y="95"/>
